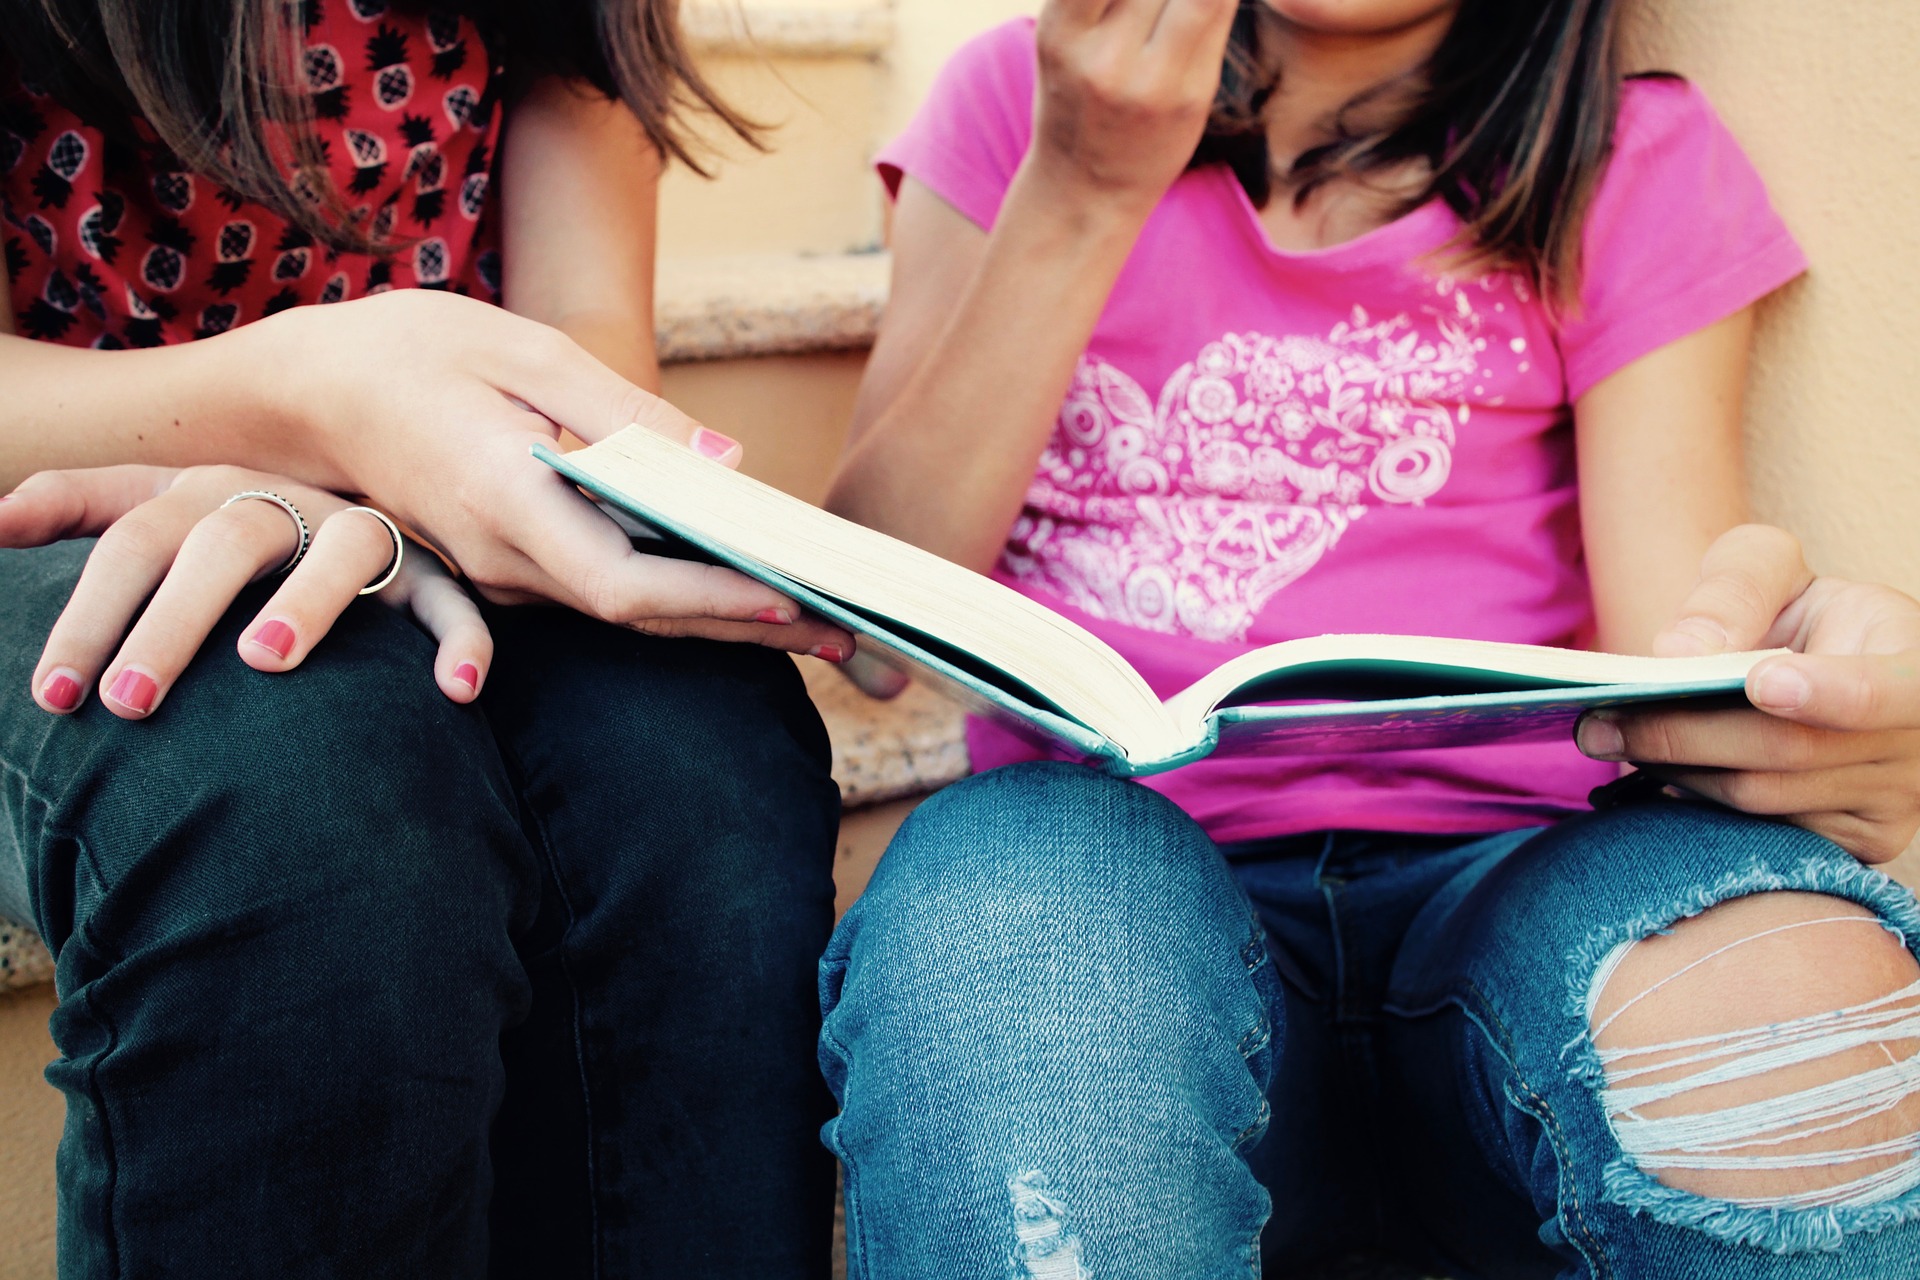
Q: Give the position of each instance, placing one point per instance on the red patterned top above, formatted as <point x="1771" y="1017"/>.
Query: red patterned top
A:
<point x="106" y="249"/>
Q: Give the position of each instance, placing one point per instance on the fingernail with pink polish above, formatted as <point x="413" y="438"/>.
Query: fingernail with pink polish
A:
<point x="829" y="653"/>
<point x="775" y="617"/>
<point x="62" y="689"/>
<point x="469" y="675"/>
<point x="134" y="690"/>
<point x="711" y="444"/>
<point x="275" y="636"/>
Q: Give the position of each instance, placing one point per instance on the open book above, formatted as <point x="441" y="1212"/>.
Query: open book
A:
<point x="1004" y="655"/>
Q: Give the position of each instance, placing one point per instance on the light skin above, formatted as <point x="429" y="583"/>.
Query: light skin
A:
<point x="424" y="402"/>
<point x="980" y="340"/>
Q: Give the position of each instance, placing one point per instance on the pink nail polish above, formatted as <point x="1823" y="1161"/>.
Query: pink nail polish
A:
<point x="777" y="617"/>
<point x="829" y="653"/>
<point x="711" y="444"/>
<point x="133" y="690"/>
<point x="469" y="675"/>
<point x="61" y="691"/>
<point x="275" y="636"/>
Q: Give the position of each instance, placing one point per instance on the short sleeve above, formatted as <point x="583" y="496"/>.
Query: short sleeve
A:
<point x="1681" y="234"/>
<point x="970" y="135"/>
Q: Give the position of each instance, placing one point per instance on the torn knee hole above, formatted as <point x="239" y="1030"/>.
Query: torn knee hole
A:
<point x="1044" y="1249"/>
<point x="1767" y="1053"/>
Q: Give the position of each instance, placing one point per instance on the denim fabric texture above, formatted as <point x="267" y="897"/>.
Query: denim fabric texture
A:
<point x="355" y="982"/>
<point x="1070" y="1037"/>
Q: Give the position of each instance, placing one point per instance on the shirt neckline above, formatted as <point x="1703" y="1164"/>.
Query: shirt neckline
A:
<point x="1410" y="236"/>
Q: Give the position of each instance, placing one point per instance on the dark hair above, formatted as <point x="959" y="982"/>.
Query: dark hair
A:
<point x="199" y="75"/>
<point x="1513" y="115"/>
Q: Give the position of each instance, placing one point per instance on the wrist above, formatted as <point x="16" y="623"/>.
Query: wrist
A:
<point x="265" y="365"/>
<point x="1061" y="198"/>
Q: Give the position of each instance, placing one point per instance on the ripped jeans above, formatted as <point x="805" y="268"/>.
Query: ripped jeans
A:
<point x="1070" y="1038"/>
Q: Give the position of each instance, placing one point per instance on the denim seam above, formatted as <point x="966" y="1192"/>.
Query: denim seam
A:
<point x="1778" y="1231"/>
<point x="1588" y="1242"/>
<point x="545" y="844"/>
<point x="1579" y="1233"/>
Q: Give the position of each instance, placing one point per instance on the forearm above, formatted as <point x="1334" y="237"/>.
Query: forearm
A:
<point x="213" y="401"/>
<point x="945" y="462"/>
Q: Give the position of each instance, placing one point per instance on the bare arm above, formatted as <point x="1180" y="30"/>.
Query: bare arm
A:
<point x="983" y="330"/>
<point x="1661" y="476"/>
<point x="958" y="401"/>
<point x="579" y="200"/>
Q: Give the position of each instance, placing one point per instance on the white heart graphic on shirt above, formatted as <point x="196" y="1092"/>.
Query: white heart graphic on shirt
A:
<point x="1188" y="515"/>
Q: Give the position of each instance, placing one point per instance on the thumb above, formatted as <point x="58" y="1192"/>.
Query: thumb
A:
<point x="1867" y="691"/>
<point x="1747" y="579"/>
<point x="561" y="381"/>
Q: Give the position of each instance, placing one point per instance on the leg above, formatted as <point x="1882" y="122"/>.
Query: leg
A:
<point x="1050" y="1027"/>
<point x="1681" y="1040"/>
<point x="281" y="910"/>
<point x="664" y="1108"/>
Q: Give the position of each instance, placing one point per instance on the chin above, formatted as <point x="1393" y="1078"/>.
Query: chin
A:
<point x="1359" y="17"/>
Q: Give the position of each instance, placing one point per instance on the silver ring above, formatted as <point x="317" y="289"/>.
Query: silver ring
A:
<point x="299" y="522"/>
<point x="399" y="549"/>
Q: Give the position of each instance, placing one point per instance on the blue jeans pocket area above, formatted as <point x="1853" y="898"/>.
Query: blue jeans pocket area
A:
<point x="1684" y="1040"/>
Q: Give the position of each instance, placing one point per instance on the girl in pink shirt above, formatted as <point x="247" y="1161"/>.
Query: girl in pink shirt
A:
<point x="1215" y="326"/>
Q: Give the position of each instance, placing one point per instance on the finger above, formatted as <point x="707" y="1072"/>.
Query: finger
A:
<point x="127" y="564"/>
<point x="875" y="678"/>
<point x="589" y="559"/>
<point x="1747" y="578"/>
<point x="51" y="506"/>
<point x="1856" y="788"/>
<point x="450" y="616"/>
<point x="1866" y="838"/>
<point x="567" y="386"/>
<point x="349" y="550"/>
<point x="1728" y="738"/>
<point x="809" y="636"/>
<point x="1190" y="30"/>
<point x="1852" y="692"/>
<point x="223" y="553"/>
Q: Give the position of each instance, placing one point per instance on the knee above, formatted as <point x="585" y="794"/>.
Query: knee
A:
<point x="348" y="812"/>
<point x="1049" y="840"/>
<point x="1766" y="1052"/>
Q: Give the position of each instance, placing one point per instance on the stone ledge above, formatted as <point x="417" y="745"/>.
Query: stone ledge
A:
<point x="24" y="961"/>
<point x="721" y="308"/>
<point x="823" y="29"/>
<point x="906" y="746"/>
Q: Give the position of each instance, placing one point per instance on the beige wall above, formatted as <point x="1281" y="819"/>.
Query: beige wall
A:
<point x="1825" y="98"/>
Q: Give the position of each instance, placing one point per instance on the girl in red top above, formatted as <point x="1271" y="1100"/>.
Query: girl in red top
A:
<point x="368" y="964"/>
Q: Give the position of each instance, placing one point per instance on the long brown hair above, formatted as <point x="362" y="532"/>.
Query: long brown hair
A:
<point x="216" y="82"/>
<point x="1513" y="117"/>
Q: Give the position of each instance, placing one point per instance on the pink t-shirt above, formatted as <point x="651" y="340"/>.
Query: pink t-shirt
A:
<point x="1259" y="445"/>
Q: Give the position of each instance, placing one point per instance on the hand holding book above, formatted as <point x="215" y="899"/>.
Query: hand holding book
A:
<point x="1831" y="740"/>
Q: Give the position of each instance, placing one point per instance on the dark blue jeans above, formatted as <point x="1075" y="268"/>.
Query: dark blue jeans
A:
<point x="357" y="982"/>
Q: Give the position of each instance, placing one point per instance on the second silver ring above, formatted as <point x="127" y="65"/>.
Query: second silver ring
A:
<point x="399" y="549"/>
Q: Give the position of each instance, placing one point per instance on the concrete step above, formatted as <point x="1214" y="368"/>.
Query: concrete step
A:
<point x="813" y="71"/>
<point x="790" y="28"/>
<point x="768" y="348"/>
<point x="728" y="306"/>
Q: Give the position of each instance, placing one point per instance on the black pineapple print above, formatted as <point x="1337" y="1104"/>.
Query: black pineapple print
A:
<point x="387" y="59"/>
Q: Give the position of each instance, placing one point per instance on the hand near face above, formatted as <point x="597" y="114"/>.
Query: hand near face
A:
<point x="1832" y="739"/>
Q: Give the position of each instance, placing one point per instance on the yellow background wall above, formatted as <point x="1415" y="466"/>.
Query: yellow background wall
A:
<point x="1825" y="98"/>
